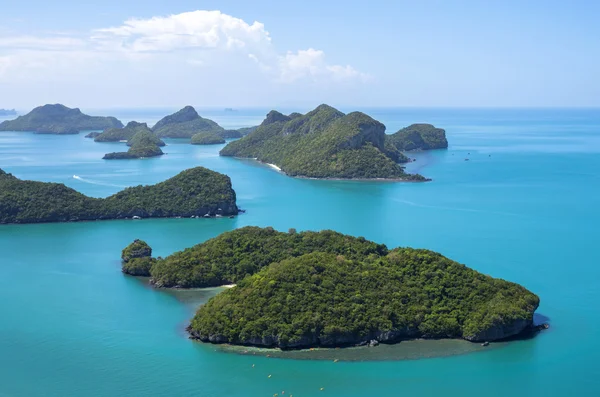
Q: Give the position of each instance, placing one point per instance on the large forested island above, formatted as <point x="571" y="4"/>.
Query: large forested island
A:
<point x="324" y="143"/>
<point x="195" y="192"/>
<point x="143" y="144"/>
<point x="58" y="119"/>
<point x="297" y="290"/>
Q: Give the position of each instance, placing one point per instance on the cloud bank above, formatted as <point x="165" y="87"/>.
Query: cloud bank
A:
<point x="209" y="52"/>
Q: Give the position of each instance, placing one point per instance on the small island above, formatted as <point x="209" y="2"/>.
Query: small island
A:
<point x="197" y="192"/>
<point x="207" y="138"/>
<point x="325" y="144"/>
<point x="119" y="134"/>
<point x="184" y="124"/>
<point x="418" y="137"/>
<point x="58" y="119"/>
<point x="326" y="289"/>
<point x="143" y="144"/>
<point x="8" y="112"/>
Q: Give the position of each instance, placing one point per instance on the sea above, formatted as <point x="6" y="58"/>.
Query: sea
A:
<point x="515" y="196"/>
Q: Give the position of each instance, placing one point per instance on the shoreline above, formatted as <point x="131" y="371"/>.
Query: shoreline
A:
<point x="278" y="169"/>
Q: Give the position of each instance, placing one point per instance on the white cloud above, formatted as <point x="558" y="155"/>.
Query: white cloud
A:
<point x="169" y="48"/>
<point x="311" y="63"/>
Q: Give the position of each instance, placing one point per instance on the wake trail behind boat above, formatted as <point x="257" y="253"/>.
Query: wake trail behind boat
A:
<point x="96" y="182"/>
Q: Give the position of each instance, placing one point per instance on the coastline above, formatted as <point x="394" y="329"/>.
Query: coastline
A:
<point x="278" y="169"/>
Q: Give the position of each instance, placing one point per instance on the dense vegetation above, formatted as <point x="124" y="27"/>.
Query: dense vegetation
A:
<point x="207" y="138"/>
<point x="93" y="134"/>
<point x="120" y="134"/>
<point x="58" y="119"/>
<point x="143" y="144"/>
<point x="324" y="143"/>
<point x="329" y="289"/>
<point x="137" y="259"/>
<point x="184" y="124"/>
<point x="418" y="137"/>
<point x="194" y="192"/>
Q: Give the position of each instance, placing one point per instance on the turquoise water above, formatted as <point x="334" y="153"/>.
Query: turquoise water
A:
<point x="524" y="208"/>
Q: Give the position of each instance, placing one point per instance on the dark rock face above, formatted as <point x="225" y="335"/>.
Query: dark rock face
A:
<point x="370" y="131"/>
<point x="274" y="116"/>
<point x="501" y="331"/>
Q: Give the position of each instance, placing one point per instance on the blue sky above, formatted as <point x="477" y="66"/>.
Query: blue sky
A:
<point x="376" y="53"/>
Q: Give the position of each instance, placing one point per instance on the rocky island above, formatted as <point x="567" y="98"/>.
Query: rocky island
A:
<point x="207" y="138"/>
<point x="58" y="119"/>
<point x="310" y="289"/>
<point x="418" y="137"/>
<point x="196" y="192"/>
<point x="324" y="143"/>
<point x="143" y="144"/>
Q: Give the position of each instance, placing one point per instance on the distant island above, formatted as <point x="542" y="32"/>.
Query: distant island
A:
<point x="184" y="124"/>
<point x="187" y="122"/>
<point x="196" y="192"/>
<point x="324" y="143"/>
<point x="118" y="134"/>
<point x="230" y="110"/>
<point x="8" y="112"/>
<point x="326" y="289"/>
<point x="418" y="137"/>
<point x="207" y="138"/>
<point x="58" y="119"/>
<point x="143" y="144"/>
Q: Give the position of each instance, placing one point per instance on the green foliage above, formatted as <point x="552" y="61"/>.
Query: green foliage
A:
<point x="184" y="124"/>
<point x="329" y="289"/>
<point x="143" y="144"/>
<point x="207" y="138"/>
<point x="323" y="143"/>
<point x="234" y="255"/>
<point x="194" y="192"/>
<point x="137" y="249"/>
<point x="138" y="266"/>
<point x="121" y="134"/>
<point x="58" y="119"/>
<point x="418" y="137"/>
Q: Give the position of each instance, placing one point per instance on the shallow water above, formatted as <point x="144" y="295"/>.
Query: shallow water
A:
<point x="523" y="208"/>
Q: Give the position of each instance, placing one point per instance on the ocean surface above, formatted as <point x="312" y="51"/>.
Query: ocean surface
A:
<point x="525" y="207"/>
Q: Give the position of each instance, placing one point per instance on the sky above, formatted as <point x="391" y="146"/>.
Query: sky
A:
<point x="240" y="53"/>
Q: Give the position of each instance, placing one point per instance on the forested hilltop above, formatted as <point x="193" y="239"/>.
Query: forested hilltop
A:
<point x="58" y="119"/>
<point x="194" y="192"/>
<point x="324" y="143"/>
<point x="328" y="289"/>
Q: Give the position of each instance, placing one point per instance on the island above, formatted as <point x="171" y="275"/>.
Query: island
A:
<point x="196" y="192"/>
<point x="327" y="289"/>
<point x="58" y="119"/>
<point x="324" y="144"/>
<point x="8" y="112"/>
<point x="184" y="124"/>
<point x="418" y="137"/>
<point x="119" y="134"/>
<point x="143" y="144"/>
<point x="93" y="134"/>
<point x="207" y="138"/>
